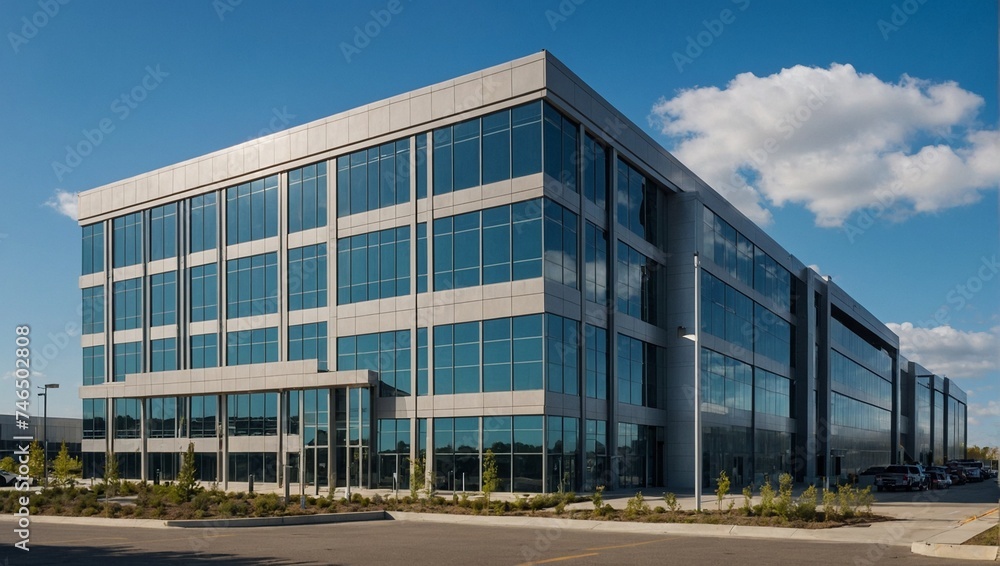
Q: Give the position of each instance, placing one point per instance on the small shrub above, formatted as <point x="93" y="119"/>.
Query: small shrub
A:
<point x="829" y="505"/>
<point x="356" y="497"/>
<point x="598" y="497"/>
<point x="324" y="503"/>
<point x="636" y="506"/>
<point x="478" y="504"/>
<point x="464" y="501"/>
<point x="805" y="506"/>
<point x="766" y="506"/>
<point x="722" y="488"/>
<point x="671" y="501"/>
<point x="783" y="503"/>
<point x="747" y="507"/>
<point x="560" y="507"/>
<point x="659" y="509"/>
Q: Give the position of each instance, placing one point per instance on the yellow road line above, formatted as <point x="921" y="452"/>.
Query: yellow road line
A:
<point x="974" y="517"/>
<point x="560" y="559"/>
<point x="632" y="544"/>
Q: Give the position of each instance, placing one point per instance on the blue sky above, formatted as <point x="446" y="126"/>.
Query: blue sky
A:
<point x="861" y="135"/>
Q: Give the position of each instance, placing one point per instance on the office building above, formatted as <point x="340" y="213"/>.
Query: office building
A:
<point x="501" y="262"/>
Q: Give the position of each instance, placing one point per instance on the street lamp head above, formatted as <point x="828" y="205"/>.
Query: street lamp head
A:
<point x="682" y="332"/>
<point x="52" y="386"/>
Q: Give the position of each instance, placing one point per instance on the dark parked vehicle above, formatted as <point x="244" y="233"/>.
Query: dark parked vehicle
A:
<point x="958" y="476"/>
<point x="939" y="480"/>
<point x="7" y="478"/>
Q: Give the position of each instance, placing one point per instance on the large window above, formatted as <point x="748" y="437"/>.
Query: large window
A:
<point x="422" y="170"/>
<point x="204" y="412"/>
<point x="737" y="255"/>
<point x="387" y="353"/>
<point x="128" y="359"/>
<point x="204" y="351"/>
<point x="252" y="414"/>
<point x="373" y="266"/>
<point x="595" y="266"/>
<point x="636" y="372"/>
<point x="597" y="362"/>
<point x="495" y="147"/>
<point x="560" y="245"/>
<point x="857" y="381"/>
<point x="252" y="285"/>
<point x="128" y="418"/>
<point x="422" y="361"/>
<point x="595" y="171"/>
<point x="252" y="210"/>
<point x="252" y="346"/>
<point x="772" y="393"/>
<point x="637" y="203"/>
<point x="456" y="452"/>
<point x="95" y="419"/>
<point x="517" y="445"/>
<point x="164" y="354"/>
<point x="562" y="351"/>
<point x="163" y="310"/>
<point x="203" y="223"/>
<point x="93" y="310"/>
<point x="562" y="445"/>
<point x="93" y="365"/>
<point x="596" y="455"/>
<point x="637" y="276"/>
<point x="512" y="353"/>
<point x="495" y="245"/>
<point x="373" y="178"/>
<point x="726" y="313"/>
<point x="165" y="417"/>
<point x="93" y="249"/>
<point x="307" y="197"/>
<point x="204" y="293"/>
<point x="307" y="277"/>
<point x="393" y="452"/>
<point x="263" y="466"/>
<point x="308" y="342"/>
<point x="422" y="257"/>
<point x="163" y="232"/>
<point x="127" y="241"/>
<point x="561" y="149"/>
<point x="772" y="335"/>
<point x="726" y="382"/>
<point x="128" y="304"/>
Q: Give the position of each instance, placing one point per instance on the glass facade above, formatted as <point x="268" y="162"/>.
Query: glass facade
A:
<point x="93" y="365"/>
<point x="560" y="245"/>
<point x="373" y="266"/>
<point x="387" y="353"/>
<point x="204" y="293"/>
<point x="252" y="414"/>
<point x="743" y="261"/>
<point x="595" y="171"/>
<point x="93" y="249"/>
<point x="128" y="359"/>
<point x="204" y="351"/>
<point x="203" y="222"/>
<point x="163" y="291"/>
<point x="307" y="277"/>
<point x="636" y="276"/>
<point x="128" y="304"/>
<point x="637" y="210"/>
<point x="93" y="310"/>
<point x="726" y="383"/>
<point x="95" y="419"/>
<point x="163" y="232"/>
<point x="252" y="211"/>
<point x="127" y="240"/>
<point x="252" y="346"/>
<point x="512" y="353"/>
<point x="373" y="178"/>
<point x="307" y="194"/>
<point x="308" y="342"/>
<point x="562" y="354"/>
<point x="597" y="362"/>
<point x="596" y="265"/>
<point x="637" y="383"/>
<point x="252" y="285"/>
<point x="164" y="354"/>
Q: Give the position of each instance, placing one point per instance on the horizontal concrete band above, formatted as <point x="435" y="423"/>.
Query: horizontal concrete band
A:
<point x="322" y="518"/>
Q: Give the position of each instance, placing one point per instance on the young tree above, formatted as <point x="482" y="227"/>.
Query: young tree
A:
<point x="187" y="479"/>
<point x="36" y="461"/>
<point x="490" y="475"/>
<point x="722" y="490"/>
<point x="417" y="477"/>
<point x="65" y="467"/>
<point x="8" y="465"/>
<point x="111" y="479"/>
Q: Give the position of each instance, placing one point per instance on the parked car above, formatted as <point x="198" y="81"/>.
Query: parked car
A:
<point x="939" y="480"/>
<point x="909" y="477"/>
<point x="958" y="476"/>
<point x="7" y="478"/>
<point x="974" y="474"/>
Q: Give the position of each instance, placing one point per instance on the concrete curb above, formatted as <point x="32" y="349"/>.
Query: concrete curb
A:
<point x="956" y="551"/>
<point x="319" y="519"/>
<point x="97" y="521"/>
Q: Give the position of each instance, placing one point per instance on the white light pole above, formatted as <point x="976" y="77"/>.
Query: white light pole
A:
<point x="45" y="426"/>
<point x="694" y="335"/>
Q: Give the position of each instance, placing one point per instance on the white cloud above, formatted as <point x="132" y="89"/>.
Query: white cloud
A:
<point x="835" y="141"/>
<point x="991" y="409"/>
<point x="947" y="351"/>
<point x="63" y="202"/>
